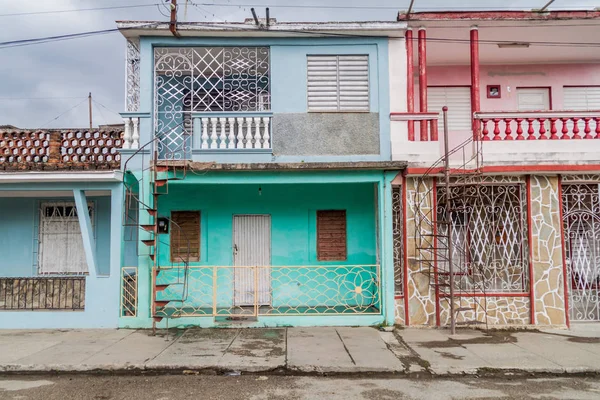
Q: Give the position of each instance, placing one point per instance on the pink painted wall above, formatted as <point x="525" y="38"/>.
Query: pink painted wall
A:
<point x="512" y="76"/>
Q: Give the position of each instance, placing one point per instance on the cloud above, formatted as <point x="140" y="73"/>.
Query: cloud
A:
<point x="56" y="76"/>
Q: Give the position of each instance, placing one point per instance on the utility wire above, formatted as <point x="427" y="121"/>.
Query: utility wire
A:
<point x="22" y="14"/>
<point x="25" y="42"/>
<point x="63" y="113"/>
<point x="46" y="39"/>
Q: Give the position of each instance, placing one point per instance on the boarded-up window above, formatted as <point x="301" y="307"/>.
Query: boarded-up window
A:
<point x="185" y="236"/>
<point x="338" y="83"/>
<point x="331" y="235"/>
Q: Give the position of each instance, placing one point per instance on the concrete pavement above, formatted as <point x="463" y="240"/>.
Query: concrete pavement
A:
<point x="303" y="350"/>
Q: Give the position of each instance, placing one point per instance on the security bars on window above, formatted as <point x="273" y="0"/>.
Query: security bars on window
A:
<point x="397" y="226"/>
<point x="581" y="221"/>
<point x="205" y="79"/>
<point x="338" y="83"/>
<point x="60" y="242"/>
<point x="489" y="236"/>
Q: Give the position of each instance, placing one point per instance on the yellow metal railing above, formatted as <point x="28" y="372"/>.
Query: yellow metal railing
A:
<point x="245" y="291"/>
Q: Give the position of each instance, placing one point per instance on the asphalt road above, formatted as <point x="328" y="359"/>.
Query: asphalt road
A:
<point x="172" y="387"/>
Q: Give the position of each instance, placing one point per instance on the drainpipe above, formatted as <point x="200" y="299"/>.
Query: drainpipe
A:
<point x="423" y="79"/>
<point x="475" y="92"/>
<point x="173" y="22"/>
<point x="410" y="83"/>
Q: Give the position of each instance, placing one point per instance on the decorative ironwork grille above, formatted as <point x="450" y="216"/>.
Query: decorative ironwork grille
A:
<point x="581" y="221"/>
<point x="397" y="227"/>
<point x="205" y="79"/>
<point x="132" y="71"/>
<point x="295" y="290"/>
<point x="56" y="293"/>
<point x="489" y="237"/>
<point x="129" y="292"/>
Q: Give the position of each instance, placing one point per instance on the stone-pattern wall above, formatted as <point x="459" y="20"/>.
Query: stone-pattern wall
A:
<point x="546" y="248"/>
<point x="421" y="294"/>
<point x="399" y="312"/>
<point x="500" y="310"/>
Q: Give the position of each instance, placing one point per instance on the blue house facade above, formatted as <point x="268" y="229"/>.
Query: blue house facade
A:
<point x="257" y="172"/>
<point x="61" y="204"/>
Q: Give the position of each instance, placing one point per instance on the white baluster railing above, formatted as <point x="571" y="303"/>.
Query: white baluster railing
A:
<point x="231" y="133"/>
<point x="131" y="134"/>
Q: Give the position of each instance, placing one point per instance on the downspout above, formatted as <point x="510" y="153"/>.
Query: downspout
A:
<point x="173" y="22"/>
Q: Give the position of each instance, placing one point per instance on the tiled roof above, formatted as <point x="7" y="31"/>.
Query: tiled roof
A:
<point x="65" y="149"/>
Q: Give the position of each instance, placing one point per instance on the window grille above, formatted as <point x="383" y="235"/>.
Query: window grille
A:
<point x="581" y="222"/>
<point x="338" y="83"/>
<point x="489" y="237"/>
<point x="205" y="79"/>
<point x="397" y="229"/>
<point x="331" y="235"/>
<point x="185" y="236"/>
<point x="60" y="243"/>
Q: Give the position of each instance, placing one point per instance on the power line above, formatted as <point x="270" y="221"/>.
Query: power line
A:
<point x="47" y="39"/>
<point x="371" y="7"/>
<point x="63" y="113"/>
<point x="38" y="98"/>
<point x="77" y="10"/>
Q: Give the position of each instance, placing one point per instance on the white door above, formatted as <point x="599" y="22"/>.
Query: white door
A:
<point x="533" y="99"/>
<point x="252" y="248"/>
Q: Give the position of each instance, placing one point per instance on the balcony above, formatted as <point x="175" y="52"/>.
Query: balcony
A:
<point x="231" y="132"/>
<point x="506" y="137"/>
<point x="540" y="136"/>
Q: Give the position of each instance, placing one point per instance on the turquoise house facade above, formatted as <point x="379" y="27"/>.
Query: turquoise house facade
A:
<point x="258" y="175"/>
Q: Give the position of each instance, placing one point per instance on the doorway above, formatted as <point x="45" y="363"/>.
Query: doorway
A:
<point x="251" y="259"/>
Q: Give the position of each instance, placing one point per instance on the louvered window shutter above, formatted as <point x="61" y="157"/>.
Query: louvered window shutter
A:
<point x="185" y="236"/>
<point x="581" y="98"/>
<point x="458" y="100"/>
<point x="338" y="83"/>
<point x="331" y="235"/>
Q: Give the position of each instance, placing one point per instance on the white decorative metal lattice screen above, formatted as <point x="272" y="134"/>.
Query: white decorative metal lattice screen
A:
<point x="132" y="73"/>
<point x="205" y="79"/>
<point x="581" y="221"/>
<point x="60" y="242"/>
<point x="398" y="238"/>
<point x="489" y="237"/>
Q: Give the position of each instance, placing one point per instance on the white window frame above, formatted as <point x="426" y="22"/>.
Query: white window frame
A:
<point x="75" y="262"/>
<point x="338" y="90"/>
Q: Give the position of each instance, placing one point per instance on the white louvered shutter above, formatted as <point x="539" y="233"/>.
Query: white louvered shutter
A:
<point x="338" y="83"/>
<point x="581" y="98"/>
<point x="458" y="101"/>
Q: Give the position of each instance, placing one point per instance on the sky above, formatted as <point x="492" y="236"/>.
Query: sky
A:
<point x="46" y="85"/>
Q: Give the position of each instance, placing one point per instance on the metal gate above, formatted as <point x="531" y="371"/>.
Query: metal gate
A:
<point x="581" y="221"/>
<point x="252" y="249"/>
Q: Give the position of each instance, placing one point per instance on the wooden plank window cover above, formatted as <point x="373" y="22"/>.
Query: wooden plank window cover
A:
<point x="338" y="83"/>
<point x="185" y="236"/>
<point x="331" y="235"/>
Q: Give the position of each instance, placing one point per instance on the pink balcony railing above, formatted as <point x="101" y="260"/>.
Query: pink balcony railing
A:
<point x="427" y="123"/>
<point x="539" y="125"/>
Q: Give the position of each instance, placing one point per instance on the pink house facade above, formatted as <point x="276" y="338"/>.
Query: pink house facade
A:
<point x="512" y="235"/>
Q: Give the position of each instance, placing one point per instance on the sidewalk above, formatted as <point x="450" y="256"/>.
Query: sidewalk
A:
<point x="305" y="350"/>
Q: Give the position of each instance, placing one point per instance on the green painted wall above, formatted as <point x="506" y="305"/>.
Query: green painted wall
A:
<point x="293" y="219"/>
<point x="293" y="240"/>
